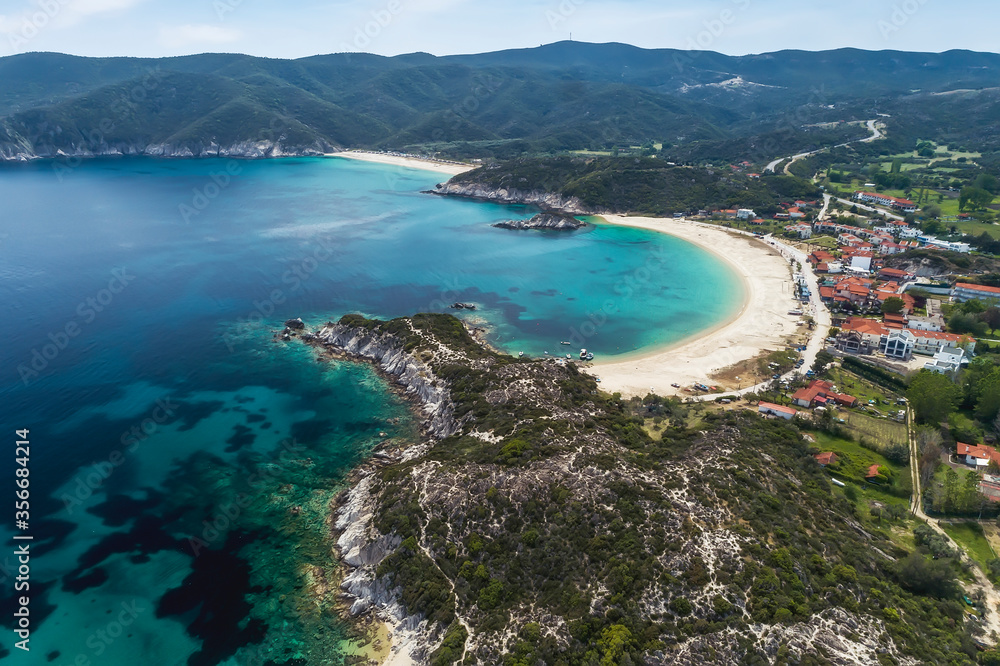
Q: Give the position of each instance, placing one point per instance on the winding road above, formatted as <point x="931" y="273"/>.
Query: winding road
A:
<point x="876" y="134"/>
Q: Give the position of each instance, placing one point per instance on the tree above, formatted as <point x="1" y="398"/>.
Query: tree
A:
<point x="893" y="305"/>
<point x="974" y="198"/>
<point x="933" y="577"/>
<point x="992" y="317"/>
<point x="932" y="396"/>
<point x="988" y="396"/>
<point x="932" y="211"/>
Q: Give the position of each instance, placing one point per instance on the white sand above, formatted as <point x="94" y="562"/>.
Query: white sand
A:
<point x="763" y="324"/>
<point x="449" y="168"/>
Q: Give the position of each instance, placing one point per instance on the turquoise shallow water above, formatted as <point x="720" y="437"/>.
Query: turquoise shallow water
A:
<point x="181" y="461"/>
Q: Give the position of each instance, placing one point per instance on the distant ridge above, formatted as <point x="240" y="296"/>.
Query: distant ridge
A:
<point x="561" y="96"/>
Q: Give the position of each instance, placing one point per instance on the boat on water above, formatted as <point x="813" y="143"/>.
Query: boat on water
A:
<point x="520" y="354"/>
<point x="565" y="343"/>
<point x="569" y="357"/>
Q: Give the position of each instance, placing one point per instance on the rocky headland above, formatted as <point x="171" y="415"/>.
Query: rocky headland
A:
<point x="538" y="521"/>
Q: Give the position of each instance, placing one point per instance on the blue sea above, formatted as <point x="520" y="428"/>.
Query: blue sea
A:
<point x="182" y="464"/>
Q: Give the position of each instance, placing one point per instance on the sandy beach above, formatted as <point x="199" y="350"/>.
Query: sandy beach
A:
<point x="763" y="324"/>
<point x="448" y="168"/>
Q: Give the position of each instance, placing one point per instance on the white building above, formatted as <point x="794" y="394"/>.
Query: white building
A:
<point x="745" y="214"/>
<point x="969" y="292"/>
<point x="898" y="344"/>
<point x="862" y="260"/>
<point x="946" y="361"/>
<point x="926" y="323"/>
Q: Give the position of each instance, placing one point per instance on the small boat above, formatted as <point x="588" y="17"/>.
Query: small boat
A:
<point x="569" y="357"/>
<point x="583" y="354"/>
<point x="565" y="343"/>
<point x="589" y="357"/>
<point x="520" y="354"/>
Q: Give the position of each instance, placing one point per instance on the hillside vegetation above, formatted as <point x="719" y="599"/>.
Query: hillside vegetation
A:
<point x="551" y="528"/>
<point x="564" y="96"/>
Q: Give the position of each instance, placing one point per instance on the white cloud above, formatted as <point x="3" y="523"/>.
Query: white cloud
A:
<point x="178" y="36"/>
<point x="88" y="7"/>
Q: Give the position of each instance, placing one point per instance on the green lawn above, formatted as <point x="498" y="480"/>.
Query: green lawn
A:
<point x="850" y="383"/>
<point x="970" y="537"/>
<point x="853" y="466"/>
<point x="976" y="228"/>
<point x="825" y="242"/>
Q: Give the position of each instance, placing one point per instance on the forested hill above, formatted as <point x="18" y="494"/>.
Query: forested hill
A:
<point x="629" y="185"/>
<point x="562" y="96"/>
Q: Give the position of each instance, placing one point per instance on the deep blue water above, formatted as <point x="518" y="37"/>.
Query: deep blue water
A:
<point x="182" y="463"/>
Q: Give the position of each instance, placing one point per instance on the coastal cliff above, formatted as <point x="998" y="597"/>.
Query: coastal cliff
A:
<point x="25" y="151"/>
<point x="540" y="522"/>
<point x="540" y="198"/>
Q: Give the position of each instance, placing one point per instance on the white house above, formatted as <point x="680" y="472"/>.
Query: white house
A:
<point x="770" y="409"/>
<point x="745" y="214"/>
<point x="898" y="344"/>
<point x="946" y="361"/>
<point x="926" y="323"/>
<point x="862" y="260"/>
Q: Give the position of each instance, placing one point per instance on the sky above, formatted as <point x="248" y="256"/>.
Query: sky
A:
<point x="276" y="29"/>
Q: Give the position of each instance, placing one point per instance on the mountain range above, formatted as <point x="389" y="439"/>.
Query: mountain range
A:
<point x="563" y="96"/>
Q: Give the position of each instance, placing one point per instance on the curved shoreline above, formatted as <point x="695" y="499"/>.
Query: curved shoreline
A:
<point x="763" y="323"/>
<point x="449" y="168"/>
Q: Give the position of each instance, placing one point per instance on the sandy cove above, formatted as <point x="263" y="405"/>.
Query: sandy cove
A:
<point x="449" y="168"/>
<point x="762" y="324"/>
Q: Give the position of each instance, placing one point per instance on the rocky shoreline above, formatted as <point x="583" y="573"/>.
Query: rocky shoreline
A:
<point x="360" y="546"/>
<point x="11" y="152"/>
<point x="552" y="221"/>
<point x="547" y="201"/>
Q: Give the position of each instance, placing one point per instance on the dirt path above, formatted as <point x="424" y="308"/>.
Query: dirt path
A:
<point x="430" y="555"/>
<point x="991" y="613"/>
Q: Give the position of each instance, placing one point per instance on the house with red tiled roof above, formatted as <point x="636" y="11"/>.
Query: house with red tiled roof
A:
<point x="872" y="472"/>
<point x="895" y="203"/>
<point x="771" y="409"/>
<point x="820" y="393"/>
<point x="976" y="455"/>
<point x="828" y="458"/>
<point x="895" y="275"/>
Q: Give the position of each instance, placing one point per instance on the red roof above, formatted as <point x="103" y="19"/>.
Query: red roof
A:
<point x="893" y="272"/>
<point x="864" y="326"/>
<point x="978" y="287"/>
<point x="770" y="406"/>
<point x="872" y="471"/>
<point x="978" y="451"/>
<point x="827" y="458"/>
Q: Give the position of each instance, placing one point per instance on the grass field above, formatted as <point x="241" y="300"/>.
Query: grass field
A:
<point x="863" y="390"/>
<point x="853" y="467"/>
<point x="969" y="535"/>
<point x="881" y="432"/>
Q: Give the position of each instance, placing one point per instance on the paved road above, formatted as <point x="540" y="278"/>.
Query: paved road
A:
<point x="877" y="211"/>
<point x="814" y="308"/>
<point x="876" y="134"/>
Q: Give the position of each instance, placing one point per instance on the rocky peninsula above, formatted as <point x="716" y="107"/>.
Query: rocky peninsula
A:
<point x="538" y="520"/>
